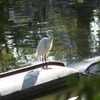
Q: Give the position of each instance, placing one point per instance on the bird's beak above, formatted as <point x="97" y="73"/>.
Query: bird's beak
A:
<point x="54" y="33"/>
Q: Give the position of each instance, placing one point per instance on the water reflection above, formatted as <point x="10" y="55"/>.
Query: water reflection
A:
<point x="77" y="29"/>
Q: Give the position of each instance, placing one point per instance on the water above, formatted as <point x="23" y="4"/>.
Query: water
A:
<point x="78" y="29"/>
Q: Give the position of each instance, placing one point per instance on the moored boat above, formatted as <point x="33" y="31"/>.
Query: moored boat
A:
<point x="32" y="80"/>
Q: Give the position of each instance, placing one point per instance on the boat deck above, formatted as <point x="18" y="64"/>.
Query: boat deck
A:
<point x="29" y="82"/>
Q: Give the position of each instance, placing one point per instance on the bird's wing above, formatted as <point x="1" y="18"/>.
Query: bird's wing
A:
<point x="41" y="48"/>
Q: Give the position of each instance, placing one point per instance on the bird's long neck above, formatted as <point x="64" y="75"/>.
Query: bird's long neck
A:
<point x="51" y="37"/>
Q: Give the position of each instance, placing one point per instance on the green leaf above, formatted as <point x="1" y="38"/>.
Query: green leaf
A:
<point x="72" y="80"/>
<point x="80" y="1"/>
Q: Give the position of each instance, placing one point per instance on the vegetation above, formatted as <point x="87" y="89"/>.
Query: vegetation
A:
<point x="25" y="42"/>
<point x="87" y="88"/>
<point x="3" y="14"/>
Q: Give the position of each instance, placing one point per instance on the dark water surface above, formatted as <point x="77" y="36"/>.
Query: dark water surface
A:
<point x="77" y="26"/>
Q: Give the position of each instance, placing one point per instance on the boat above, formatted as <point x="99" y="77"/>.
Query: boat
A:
<point x="88" y="66"/>
<point x="29" y="81"/>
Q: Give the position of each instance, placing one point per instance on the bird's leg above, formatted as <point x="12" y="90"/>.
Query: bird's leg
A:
<point x="42" y="62"/>
<point x="46" y="62"/>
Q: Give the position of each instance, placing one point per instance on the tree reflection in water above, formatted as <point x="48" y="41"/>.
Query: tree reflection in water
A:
<point x="28" y="21"/>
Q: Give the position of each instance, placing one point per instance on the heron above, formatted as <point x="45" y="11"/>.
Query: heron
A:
<point x="44" y="46"/>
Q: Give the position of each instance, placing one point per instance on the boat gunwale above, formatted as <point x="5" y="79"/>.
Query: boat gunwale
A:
<point x="23" y="69"/>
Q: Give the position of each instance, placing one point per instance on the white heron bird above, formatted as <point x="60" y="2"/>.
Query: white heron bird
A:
<point x="45" y="46"/>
